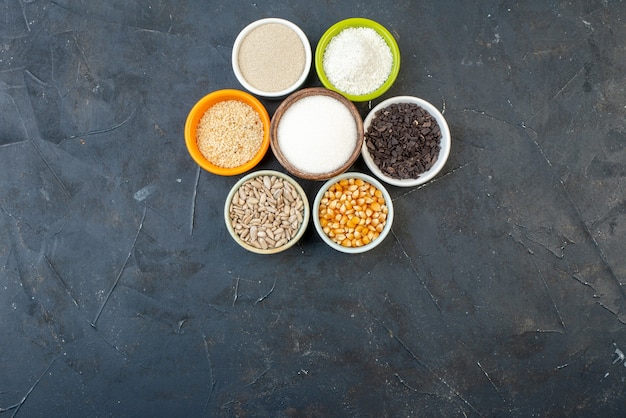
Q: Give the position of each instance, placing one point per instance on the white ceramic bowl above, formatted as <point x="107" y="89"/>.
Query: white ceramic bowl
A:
<point x="318" y="227"/>
<point x="307" y="57"/>
<point x="270" y="250"/>
<point x="445" y="142"/>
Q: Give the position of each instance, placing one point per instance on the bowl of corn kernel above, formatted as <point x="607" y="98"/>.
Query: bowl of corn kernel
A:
<point x="352" y="212"/>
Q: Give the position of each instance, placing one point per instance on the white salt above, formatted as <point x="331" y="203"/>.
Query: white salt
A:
<point x="357" y="60"/>
<point x="317" y="134"/>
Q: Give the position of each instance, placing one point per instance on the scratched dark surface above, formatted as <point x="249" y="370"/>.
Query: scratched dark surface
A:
<point x="500" y="291"/>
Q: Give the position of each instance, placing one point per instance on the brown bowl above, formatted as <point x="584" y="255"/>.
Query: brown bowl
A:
<point x="322" y="174"/>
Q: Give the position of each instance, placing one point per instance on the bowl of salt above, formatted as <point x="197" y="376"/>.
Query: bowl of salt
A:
<point x="358" y="58"/>
<point x="316" y="133"/>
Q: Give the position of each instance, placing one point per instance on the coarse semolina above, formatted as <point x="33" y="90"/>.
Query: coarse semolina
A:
<point x="230" y="133"/>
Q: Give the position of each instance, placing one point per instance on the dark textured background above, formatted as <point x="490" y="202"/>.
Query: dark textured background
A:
<point x="500" y="291"/>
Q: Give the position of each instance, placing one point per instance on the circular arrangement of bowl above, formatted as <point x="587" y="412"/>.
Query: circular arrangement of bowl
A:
<point x="374" y="243"/>
<point x="307" y="57"/>
<point x="357" y="22"/>
<point x="294" y="98"/>
<point x="445" y="143"/>
<point x="196" y="113"/>
<point x="301" y="229"/>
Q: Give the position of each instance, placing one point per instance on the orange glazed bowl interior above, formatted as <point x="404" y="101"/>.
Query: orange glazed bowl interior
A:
<point x="198" y="110"/>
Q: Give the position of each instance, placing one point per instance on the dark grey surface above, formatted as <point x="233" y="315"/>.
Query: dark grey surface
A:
<point x="500" y="291"/>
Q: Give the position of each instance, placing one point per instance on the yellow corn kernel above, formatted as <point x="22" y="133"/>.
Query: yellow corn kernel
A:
<point x="352" y="212"/>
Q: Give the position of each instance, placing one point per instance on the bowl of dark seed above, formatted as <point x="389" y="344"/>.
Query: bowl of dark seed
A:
<point x="407" y="141"/>
<point x="266" y="212"/>
<point x="271" y="57"/>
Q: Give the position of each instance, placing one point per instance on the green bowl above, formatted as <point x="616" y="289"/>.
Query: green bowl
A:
<point x="350" y="23"/>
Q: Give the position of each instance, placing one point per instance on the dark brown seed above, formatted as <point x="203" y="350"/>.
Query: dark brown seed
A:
<point x="403" y="140"/>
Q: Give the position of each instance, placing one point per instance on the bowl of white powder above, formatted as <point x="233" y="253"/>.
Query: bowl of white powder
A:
<point x="358" y="58"/>
<point x="271" y="57"/>
<point x="316" y="133"/>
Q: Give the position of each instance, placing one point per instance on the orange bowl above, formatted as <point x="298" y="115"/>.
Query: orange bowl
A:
<point x="198" y="110"/>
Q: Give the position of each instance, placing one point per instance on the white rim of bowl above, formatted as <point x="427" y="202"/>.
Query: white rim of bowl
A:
<point x="388" y="221"/>
<point x="308" y="57"/>
<point x="445" y="142"/>
<point x="292" y="241"/>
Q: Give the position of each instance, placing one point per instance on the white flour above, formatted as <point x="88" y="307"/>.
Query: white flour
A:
<point x="357" y="61"/>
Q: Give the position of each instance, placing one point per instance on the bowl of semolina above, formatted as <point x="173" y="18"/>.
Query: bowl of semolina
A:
<point x="271" y="57"/>
<point x="227" y="132"/>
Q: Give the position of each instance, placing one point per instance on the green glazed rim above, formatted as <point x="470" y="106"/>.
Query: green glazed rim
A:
<point x="350" y="23"/>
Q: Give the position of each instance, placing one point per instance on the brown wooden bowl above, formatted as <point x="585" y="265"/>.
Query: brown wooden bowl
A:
<point x="280" y="111"/>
